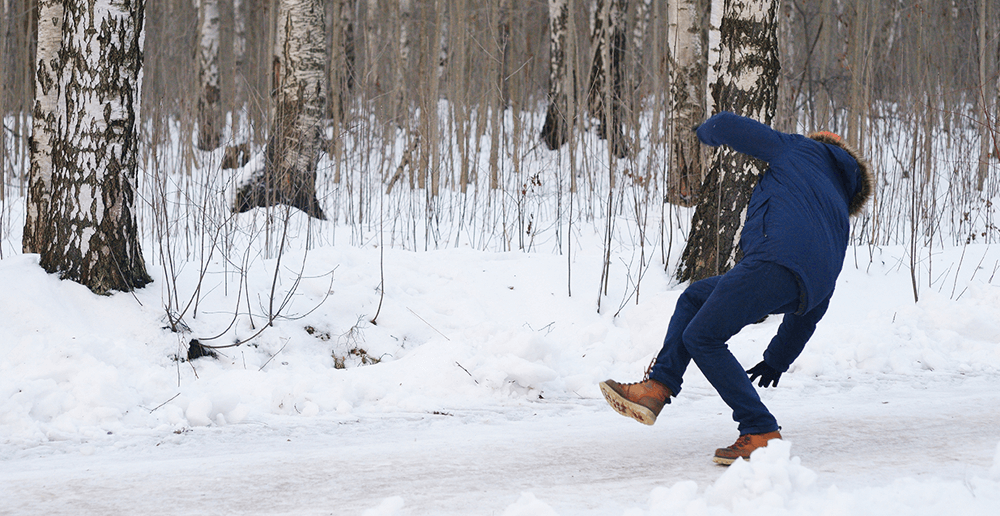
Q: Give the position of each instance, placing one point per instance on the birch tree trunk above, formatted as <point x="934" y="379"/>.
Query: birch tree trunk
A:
<point x="604" y="98"/>
<point x="343" y="58"/>
<point x="239" y="56"/>
<point x="300" y="89"/>
<point x="90" y="138"/>
<point x="209" y="105"/>
<point x="985" y="96"/>
<point x="402" y="109"/>
<point x="558" y="116"/>
<point x="688" y="43"/>
<point x="47" y="122"/>
<point x="747" y="85"/>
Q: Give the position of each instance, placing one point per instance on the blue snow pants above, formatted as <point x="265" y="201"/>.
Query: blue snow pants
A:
<point x="714" y="309"/>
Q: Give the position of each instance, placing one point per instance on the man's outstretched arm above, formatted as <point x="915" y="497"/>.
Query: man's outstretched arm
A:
<point x="794" y="332"/>
<point x="743" y="134"/>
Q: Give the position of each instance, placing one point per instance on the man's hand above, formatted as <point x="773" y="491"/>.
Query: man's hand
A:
<point x="768" y="375"/>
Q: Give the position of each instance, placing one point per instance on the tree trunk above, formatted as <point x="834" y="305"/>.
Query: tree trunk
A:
<point x="604" y="98"/>
<point x="503" y="44"/>
<point x="239" y="62"/>
<point x="985" y="97"/>
<point x="343" y="58"/>
<point x="47" y="123"/>
<point x="89" y="234"/>
<point x="747" y="85"/>
<point x="295" y="139"/>
<point x="858" y="48"/>
<point x="823" y="100"/>
<point x="558" y="116"/>
<point x="209" y="105"/>
<point x="688" y="43"/>
<point x="402" y="110"/>
<point x="500" y="11"/>
<point x="3" y="98"/>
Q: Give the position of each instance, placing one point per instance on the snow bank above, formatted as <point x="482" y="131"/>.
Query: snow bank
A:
<point x="467" y="332"/>
<point x="995" y="470"/>
<point x="389" y="507"/>
<point x="772" y="484"/>
<point x="529" y="505"/>
<point x="457" y="329"/>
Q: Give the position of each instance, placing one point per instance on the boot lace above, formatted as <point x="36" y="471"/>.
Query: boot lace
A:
<point x="645" y="376"/>
<point x="649" y="369"/>
<point x="742" y="442"/>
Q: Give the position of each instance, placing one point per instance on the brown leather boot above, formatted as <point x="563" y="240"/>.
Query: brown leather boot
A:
<point x="641" y="401"/>
<point x="743" y="447"/>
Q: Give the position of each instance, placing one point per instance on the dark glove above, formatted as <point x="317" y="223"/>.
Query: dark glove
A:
<point x="768" y="375"/>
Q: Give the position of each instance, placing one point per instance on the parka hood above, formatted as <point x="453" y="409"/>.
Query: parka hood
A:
<point x="864" y="183"/>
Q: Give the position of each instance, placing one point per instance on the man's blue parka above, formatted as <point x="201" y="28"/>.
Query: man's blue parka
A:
<point x="798" y="214"/>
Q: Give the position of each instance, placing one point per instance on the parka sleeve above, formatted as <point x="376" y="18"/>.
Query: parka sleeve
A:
<point x="743" y="134"/>
<point x="793" y="333"/>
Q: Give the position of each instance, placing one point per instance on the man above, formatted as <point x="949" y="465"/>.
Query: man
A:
<point x="793" y="241"/>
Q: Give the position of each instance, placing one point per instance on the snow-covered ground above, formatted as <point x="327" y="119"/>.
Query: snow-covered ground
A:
<point x="484" y="397"/>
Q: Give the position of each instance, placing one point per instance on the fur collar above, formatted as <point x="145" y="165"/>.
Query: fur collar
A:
<point x="864" y="191"/>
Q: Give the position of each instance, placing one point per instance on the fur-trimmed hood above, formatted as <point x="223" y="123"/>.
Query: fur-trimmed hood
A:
<point x="865" y="183"/>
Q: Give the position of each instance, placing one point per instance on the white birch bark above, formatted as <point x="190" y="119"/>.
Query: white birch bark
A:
<point x="402" y="102"/>
<point x="300" y="89"/>
<point x="46" y="124"/>
<point x="687" y="35"/>
<point x="209" y="37"/>
<point x="91" y="235"/>
<point x="239" y="55"/>
<point x="642" y="14"/>
<point x="747" y="85"/>
<point x="604" y="97"/>
<point x="558" y="117"/>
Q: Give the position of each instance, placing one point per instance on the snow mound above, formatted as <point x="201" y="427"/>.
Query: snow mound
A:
<point x="995" y="470"/>
<point x="391" y="506"/>
<point x="773" y="483"/>
<point x="529" y="505"/>
<point x="771" y="479"/>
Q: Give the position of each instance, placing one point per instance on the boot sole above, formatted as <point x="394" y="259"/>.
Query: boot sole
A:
<point x="725" y="461"/>
<point x="626" y="407"/>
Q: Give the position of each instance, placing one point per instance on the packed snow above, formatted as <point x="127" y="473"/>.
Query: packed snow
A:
<point x="474" y="390"/>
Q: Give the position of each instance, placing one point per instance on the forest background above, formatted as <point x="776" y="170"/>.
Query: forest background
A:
<point x="436" y="111"/>
<point x="485" y="358"/>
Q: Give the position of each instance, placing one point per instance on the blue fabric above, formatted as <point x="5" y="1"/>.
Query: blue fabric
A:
<point x="711" y="311"/>
<point x="714" y="309"/>
<point x="797" y="215"/>
<point x="794" y="240"/>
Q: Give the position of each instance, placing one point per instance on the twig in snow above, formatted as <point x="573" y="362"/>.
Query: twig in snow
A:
<point x="164" y="403"/>
<point x="272" y="356"/>
<point x="429" y="324"/>
<point x="467" y="372"/>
